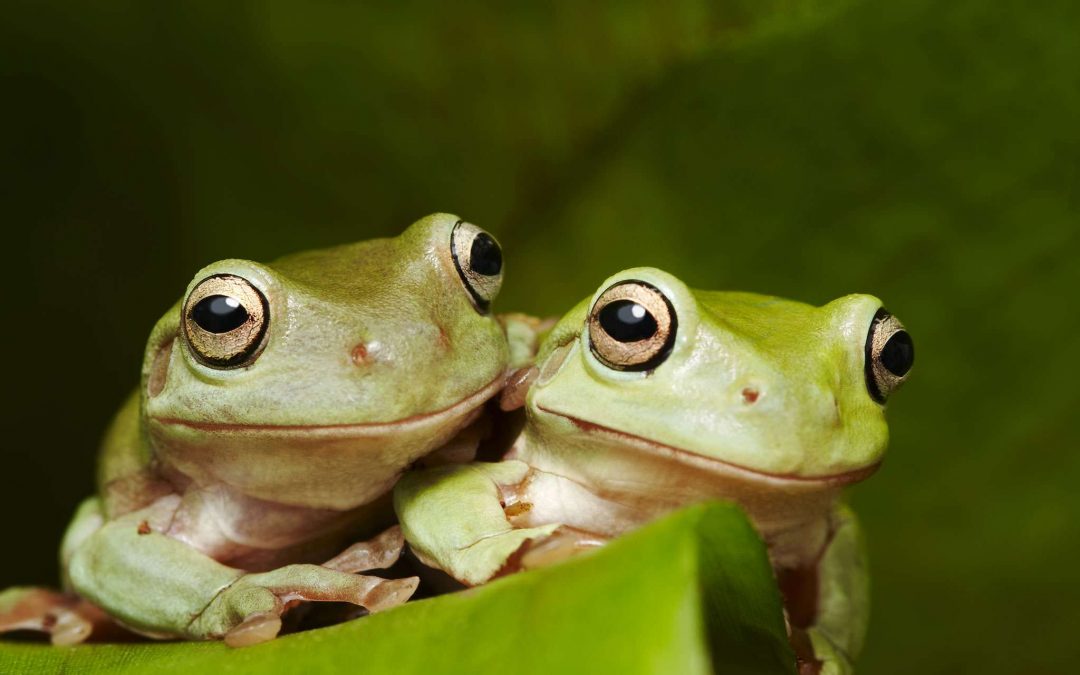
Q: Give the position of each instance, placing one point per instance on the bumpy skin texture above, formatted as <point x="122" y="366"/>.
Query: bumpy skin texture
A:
<point x="760" y="400"/>
<point x="219" y="488"/>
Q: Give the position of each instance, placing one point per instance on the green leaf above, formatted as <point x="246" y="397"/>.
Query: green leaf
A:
<point x="688" y="594"/>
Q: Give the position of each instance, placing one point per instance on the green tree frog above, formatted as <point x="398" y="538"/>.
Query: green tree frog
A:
<point x="279" y="404"/>
<point x="649" y="396"/>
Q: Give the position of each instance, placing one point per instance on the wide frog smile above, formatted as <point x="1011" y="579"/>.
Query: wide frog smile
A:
<point x="718" y="465"/>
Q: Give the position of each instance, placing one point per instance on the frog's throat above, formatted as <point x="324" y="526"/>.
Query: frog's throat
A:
<point x="405" y="424"/>
<point x="720" y="466"/>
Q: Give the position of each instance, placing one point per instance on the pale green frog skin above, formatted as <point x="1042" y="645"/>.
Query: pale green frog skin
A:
<point x="246" y="452"/>
<point x="766" y="402"/>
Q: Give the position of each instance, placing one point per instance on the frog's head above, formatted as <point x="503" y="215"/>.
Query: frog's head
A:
<point x="381" y="348"/>
<point x="774" y="389"/>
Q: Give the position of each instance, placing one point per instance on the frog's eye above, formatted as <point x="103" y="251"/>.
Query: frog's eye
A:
<point x="225" y="318"/>
<point x="479" y="262"/>
<point x="632" y="326"/>
<point x="890" y="353"/>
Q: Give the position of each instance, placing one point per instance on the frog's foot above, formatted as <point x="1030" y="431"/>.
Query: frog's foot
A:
<point x="378" y="553"/>
<point x="249" y="611"/>
<point x="381" y="552"/>
<point x="565" y="542"/>
<point x="67" y="619"/>
<point x="489" y="557"/>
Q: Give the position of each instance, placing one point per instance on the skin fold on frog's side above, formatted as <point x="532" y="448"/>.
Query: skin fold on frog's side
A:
<point x="279" y="404"/>
<point x="650" y="396"/>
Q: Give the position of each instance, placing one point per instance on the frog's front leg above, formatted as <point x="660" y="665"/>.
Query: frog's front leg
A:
<point x="163" y="587"/>
<point x="831" y="640"/>
<point x="454" y="520"/>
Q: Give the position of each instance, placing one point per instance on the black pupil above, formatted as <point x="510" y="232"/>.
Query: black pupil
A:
<point x="219" y="314"/>
<point x="898" y="355"/>
<point x="484" y="256"/>
<point x="627" y="321"/>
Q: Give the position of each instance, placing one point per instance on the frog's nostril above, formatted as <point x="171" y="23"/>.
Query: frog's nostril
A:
<point x="359" y="354"/>
<point x="443" y="339"/>
<point x="837" y="415"/>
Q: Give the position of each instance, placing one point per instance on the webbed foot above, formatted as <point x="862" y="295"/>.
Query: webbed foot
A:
<point x="249" y="610"/>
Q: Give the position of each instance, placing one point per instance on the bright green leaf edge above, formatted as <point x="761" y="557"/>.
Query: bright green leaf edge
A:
<point x="692" y="593"/>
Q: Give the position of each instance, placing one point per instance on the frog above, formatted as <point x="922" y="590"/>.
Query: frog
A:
<point x="279" y="403"/>
<point x="648" y="397"/>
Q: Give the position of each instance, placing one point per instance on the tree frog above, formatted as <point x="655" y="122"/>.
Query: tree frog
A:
<point x="279" y="404"/>
<point x="650" y="396"/>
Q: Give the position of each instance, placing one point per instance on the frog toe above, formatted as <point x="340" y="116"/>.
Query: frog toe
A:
<point x="374" y="554"/>
<point x="390" y="593"/>
<point x="316" y="583"/>
<point x="67" y="619"/>
<point x="256" y="628"/>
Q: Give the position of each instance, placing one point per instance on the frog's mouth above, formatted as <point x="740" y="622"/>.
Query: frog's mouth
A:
<point x="713" y="464"/>
<point x="403" y="425"/>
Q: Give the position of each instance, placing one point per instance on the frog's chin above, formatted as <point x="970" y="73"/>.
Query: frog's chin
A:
<point x="704" y="462"/>
<point x="404" y="425"/>
<point x="328" y="466"/>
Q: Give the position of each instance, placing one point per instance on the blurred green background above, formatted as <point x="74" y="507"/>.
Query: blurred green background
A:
<point x="925" y="152"/>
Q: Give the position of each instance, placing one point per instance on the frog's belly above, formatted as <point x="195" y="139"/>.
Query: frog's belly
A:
<point x="257" y="534"/>
<point x="795" y="527"/>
